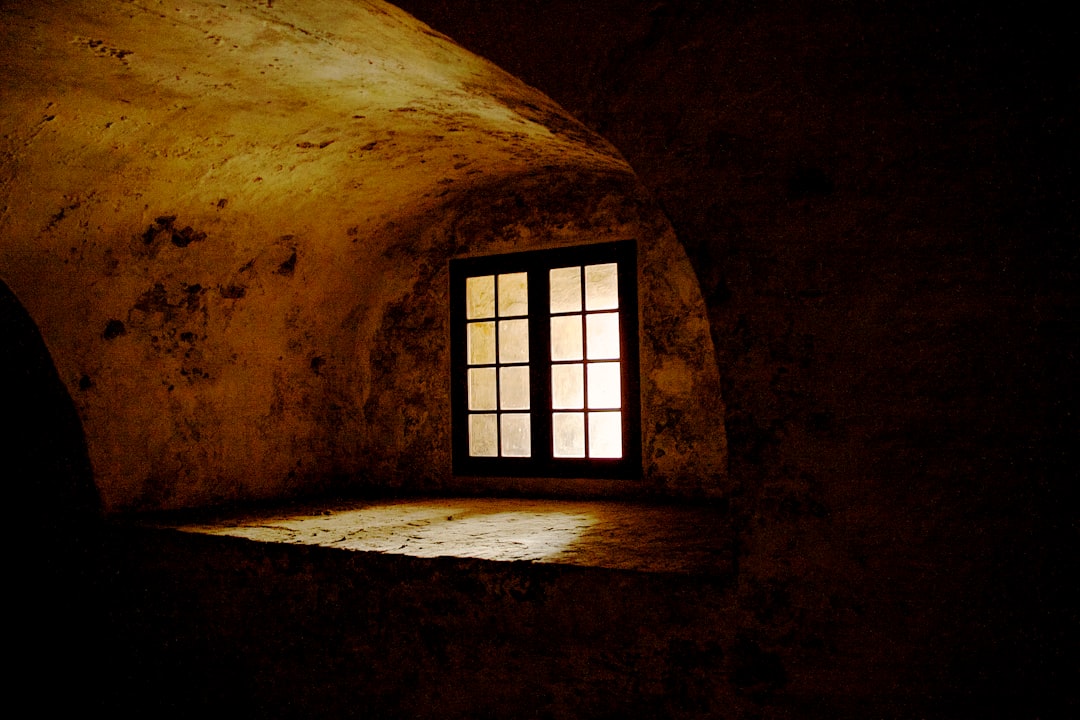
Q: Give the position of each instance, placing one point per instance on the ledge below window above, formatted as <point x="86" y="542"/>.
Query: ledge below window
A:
<point x="614" y="535"/>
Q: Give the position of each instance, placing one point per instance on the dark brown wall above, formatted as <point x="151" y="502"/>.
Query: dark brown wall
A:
<point x="209" y="626"/>
<point x="878" y="199"/>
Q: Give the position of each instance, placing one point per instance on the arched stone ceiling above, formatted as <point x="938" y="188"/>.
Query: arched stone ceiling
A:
<point x="209" y="206"/>
<point x="260" y="105"/>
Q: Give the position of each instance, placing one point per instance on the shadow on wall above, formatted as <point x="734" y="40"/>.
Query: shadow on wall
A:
<point x="56" y="507"/>
<point x="44" y="449"/>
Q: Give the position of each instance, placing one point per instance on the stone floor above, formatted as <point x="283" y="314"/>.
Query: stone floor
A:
<point x="624" y="536"/>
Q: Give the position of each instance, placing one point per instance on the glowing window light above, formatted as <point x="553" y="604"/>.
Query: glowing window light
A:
<point x="548" y="363"/>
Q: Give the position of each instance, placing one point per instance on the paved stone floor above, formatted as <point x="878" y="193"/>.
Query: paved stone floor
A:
<point x="618" y="535"/>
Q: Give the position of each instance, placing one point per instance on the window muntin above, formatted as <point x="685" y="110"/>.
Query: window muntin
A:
<point x="545" y="363"/>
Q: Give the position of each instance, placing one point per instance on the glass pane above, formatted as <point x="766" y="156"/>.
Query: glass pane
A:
<point x="482" y="389"/>
<point x="602" y="333"/>
<point x="481" y="343"/>
<point x="604" y="385"/>
<point x="567" y="387"/>
<point x="566" y="337"/>
<point x="605" y="434"/>
<point x="514" y="294"/>
<point x="514" y="387"/>
<point x="516" y="435"/>
<point x="568" y="434"/>
<point x="602" y="287"/>
<point x="513" y="341"/>
<point x="483" y="436"/>
<point x="565" y="289"/>
<point x="480" y="297"/>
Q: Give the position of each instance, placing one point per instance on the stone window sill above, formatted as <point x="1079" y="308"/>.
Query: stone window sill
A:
<point x="633" y="536"/>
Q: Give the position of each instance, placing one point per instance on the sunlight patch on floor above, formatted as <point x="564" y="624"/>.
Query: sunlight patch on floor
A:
<point x="627" y="536"/>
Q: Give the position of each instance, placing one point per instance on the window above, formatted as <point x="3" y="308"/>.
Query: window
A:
<point x="545" y="363"/>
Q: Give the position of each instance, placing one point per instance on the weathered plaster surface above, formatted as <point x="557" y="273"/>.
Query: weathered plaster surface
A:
<point x="682" y="419"/>
<point x="588" y="533"/>
<point x="296" y="631"/>
<point x="230" y="222"/>
<point x="879" y="202"/>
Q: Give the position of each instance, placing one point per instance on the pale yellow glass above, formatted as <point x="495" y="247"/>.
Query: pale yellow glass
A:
<point x="566" y="337"/>
<point x="483" y="435"/>
<point x="605" y="386"/>
<point x="482" y="390"/>
<point x="565" y="289"/>
<point x="605" y="435"/>
<point x="567" y="387"/>
<point x="514" y="388"/>
<point x="513" y="294"/>
<point x="480" y="297"/>
<point x="602" y="336"/>
<point x="516" y="435"/>
<point x="513" y="341"/>
<point x="480" y="345"/>
<point x="568" y="435"/>
<point x="602" y="287"/>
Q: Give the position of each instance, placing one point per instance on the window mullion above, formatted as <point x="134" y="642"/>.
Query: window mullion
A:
<point x="584" y="359"/>
<point x="498" y="379"/>
<point x="540" y="364"/>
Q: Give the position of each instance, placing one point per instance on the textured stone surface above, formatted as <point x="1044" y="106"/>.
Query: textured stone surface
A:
<point x="879" y="200"/>
<point x="405" y="401"/>
<point x="213" y="625"/>
<point x="624" y="536"/>
<point x="231" y="223"/>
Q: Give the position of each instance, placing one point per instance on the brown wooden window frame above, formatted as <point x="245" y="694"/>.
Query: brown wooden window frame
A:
<point x="541" y="462"/>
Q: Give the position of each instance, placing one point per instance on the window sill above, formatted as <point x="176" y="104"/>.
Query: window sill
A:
<point x="633" y="536"/>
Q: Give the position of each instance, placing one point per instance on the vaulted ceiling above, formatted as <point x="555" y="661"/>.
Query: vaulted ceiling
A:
<point x="231" y="222"/>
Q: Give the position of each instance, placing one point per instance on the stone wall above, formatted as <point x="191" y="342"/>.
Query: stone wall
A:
<point x="237" y="254"/>
<point x="407" y="444"/>
<point x="195" y="625"/>
<point x="879" y="201"/>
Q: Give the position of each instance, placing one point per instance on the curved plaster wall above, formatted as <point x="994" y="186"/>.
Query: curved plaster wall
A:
<point x="231" y="223"/>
